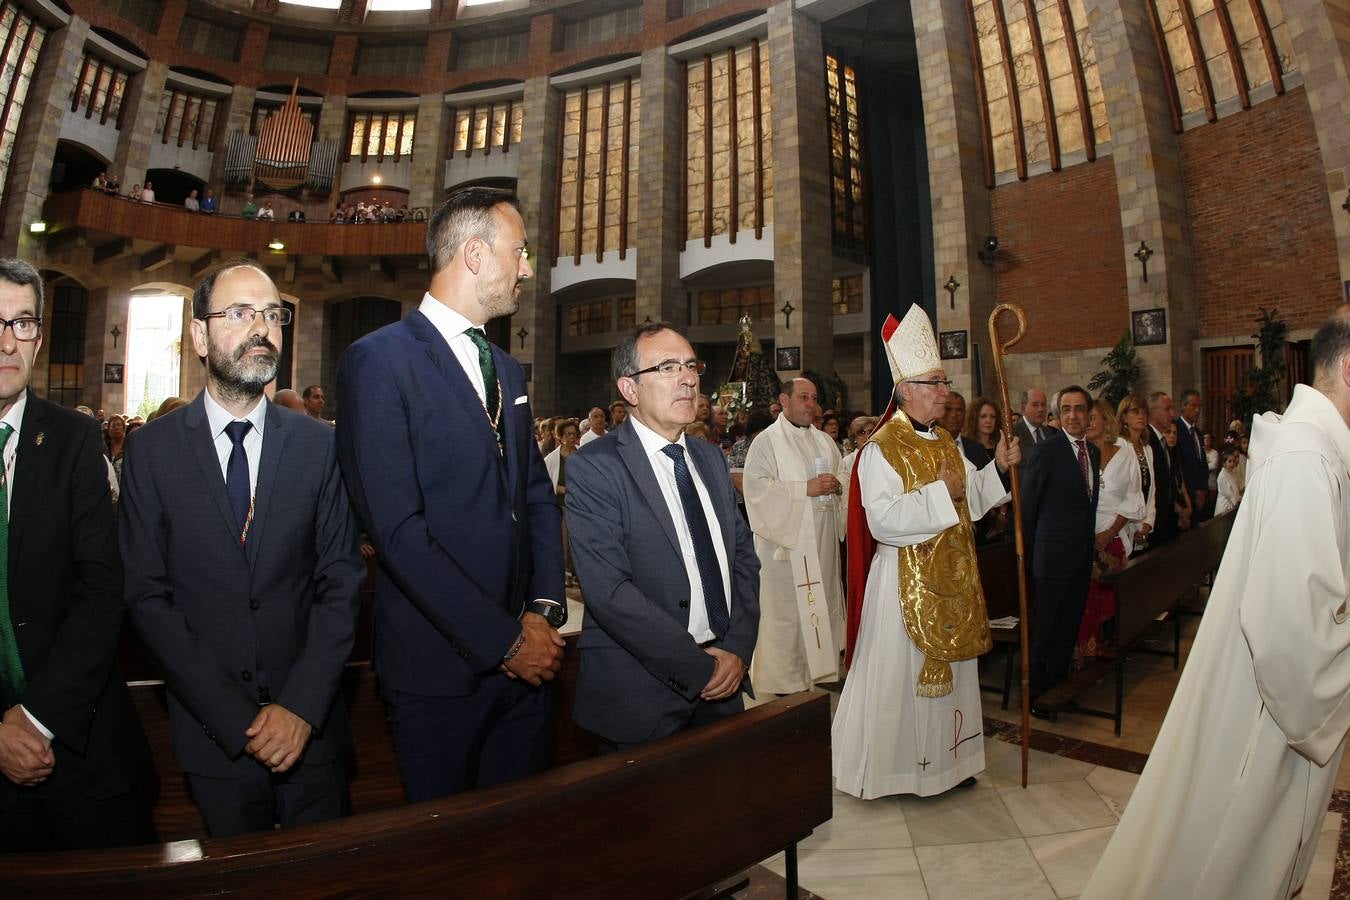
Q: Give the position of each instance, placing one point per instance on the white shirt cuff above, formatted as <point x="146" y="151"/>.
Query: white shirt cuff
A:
<point x="36" y="724"/>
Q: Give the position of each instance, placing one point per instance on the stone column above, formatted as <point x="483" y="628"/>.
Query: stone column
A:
<point x="536" y="178"/>
<point x="802" y="251"/>
<point x="97" y="345"/>
<point x="1152" y="194"/>
<point x="238" y="114"/>
<point x="1320" y="30"/>
<point x="961" y="200"/>
<point x="310" y="345"/>
<point x="139" y="119"/>
<point x="660" y="294"/>
<point x="429" y="140"/>
<point x="30" y="165"/>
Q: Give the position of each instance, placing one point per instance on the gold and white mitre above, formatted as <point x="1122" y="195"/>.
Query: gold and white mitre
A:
<point x="911" y="348"/>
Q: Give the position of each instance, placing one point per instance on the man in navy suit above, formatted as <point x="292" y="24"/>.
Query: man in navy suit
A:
<point x="1059" y="507"/>
<point x="243" y="573"/>
<point x="437" y="443"/>
<point x="667" y="565"/>
<point x="1191" y="453"/>
<point x="1161" y="412"/>
<point x="75" y="768"/>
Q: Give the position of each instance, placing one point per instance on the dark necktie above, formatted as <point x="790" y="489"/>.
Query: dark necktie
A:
<point x="709" y="572"/>
<point x="12" y="680"/>
<point x="236" y="476"/>
<point x="1083" y="464"/>
<point x="492" y="389"/>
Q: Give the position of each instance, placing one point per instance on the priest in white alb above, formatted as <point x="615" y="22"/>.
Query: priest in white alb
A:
<point x="1232" y="799"/>
<point x="790" y="495"/>
<point x="909" y="720"/>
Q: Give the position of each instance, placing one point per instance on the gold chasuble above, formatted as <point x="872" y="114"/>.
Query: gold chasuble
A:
<point x="941" y="600"/>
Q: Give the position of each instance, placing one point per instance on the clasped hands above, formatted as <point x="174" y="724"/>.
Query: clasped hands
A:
<point x="728" y="672"/>
<point x="26" y="756"/>
<point x="277" y="737"/>
<point x="822" y="485"/>
<point x="539" y="658"/>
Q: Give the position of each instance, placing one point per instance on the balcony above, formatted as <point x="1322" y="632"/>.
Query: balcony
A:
<point x="116" y="226"/>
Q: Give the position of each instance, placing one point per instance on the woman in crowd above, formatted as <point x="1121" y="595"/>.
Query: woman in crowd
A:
<point x="115" y="441"/>
<point x="1132" y="414"/>
<point x="979" y="437"/>
<point x="1120" y="510"/>
<point x="1211" y="462"/>
<point x="859" y="430"/>
<point x="1185" y="512"/>
<point x="830" y="425"/>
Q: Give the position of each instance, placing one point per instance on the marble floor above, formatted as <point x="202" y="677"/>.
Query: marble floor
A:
<point x="997" y="840"/>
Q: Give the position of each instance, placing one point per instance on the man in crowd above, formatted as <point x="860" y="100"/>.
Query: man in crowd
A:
<point x="249" y="209"/>
<point x="289" y="399"/>
<point x="1032" y="429"/>
<point x="208" y="204"/>
<point x="192" y="204"/>
<point x="954" y="418"/>
<point x="1232" y="800"/>
<point x="1059" y="505"/>
<point x="1161" y="414"/>
<point x="1191" y="453"/>
<point x="596" y="419"/>
<point x="436" y="439"/>
<point x="75" y="765"/>
<point x="909" y="719"/>
<point x="790" y="487"/>
<point x="618" y="412"/>
<point x="314" y="403"/>
<point x="667" y="565"/>
<point x="243" y="573"/>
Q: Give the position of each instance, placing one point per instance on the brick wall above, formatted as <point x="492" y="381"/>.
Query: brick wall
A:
<point x="1260" y="225"/>
<point x="1059" y="257"/>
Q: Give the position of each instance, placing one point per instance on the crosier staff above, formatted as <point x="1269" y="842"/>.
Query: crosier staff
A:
<point x="1000" y="350"/>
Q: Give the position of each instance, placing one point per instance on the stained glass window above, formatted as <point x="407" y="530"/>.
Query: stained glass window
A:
<point x="597" y="180"/>
<point x="22" y="43"/>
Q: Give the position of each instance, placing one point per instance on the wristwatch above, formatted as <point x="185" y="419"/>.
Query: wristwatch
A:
<point x="554" y="613"/>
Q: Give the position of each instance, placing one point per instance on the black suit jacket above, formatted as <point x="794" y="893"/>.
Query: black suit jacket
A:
<point x="65" y="596"/>
<point x="639" y="664"/>
<point x="465" y="536"/>
<point x="1164" y="492"/>
<point x="1191" y="457"/>
<point x="209" y="609"/>
<point x="1057" y="511"/>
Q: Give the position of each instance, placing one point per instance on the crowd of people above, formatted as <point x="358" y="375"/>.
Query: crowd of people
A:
<point x="707" y="548"/>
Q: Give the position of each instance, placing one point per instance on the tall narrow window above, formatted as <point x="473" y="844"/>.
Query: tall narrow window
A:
<point x="597" y="178"/>
<point x="154" y="350"/>
<point x="846" y="165"/>
<point x="380" y="135"/>
<point x="64" y="327"/>
<point x="23" y="37"/>
<point x="728" y="144"/>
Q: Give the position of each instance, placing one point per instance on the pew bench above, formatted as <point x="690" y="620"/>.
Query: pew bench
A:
<point x="1152" y="591"/>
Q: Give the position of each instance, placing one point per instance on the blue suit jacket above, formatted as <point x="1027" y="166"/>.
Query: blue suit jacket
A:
<point x="640" y="668"/>
<point x="1191" y="457"/>
<point x="210" y="609"/>
<point x="465" y="537"/>
<point x="1058" y="513"/>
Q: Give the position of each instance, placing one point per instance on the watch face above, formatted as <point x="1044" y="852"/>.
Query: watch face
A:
<point x="557" y="616"/>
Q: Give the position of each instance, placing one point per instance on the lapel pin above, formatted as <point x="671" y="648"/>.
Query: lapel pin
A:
<point x="40" y="438"/>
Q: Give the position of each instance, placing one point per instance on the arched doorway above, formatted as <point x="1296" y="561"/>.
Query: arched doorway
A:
<point x="64" y="318"/>
<point x="348" y="320"/>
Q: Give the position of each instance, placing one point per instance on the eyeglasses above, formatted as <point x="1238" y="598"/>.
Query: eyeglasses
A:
<point x="669" y="368"/>
<point x="935" y="382"/>
<point x="26" y="328"/>
<point x="274" y="316"/>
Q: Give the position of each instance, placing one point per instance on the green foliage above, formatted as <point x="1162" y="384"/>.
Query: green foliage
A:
<point x="1262" y="392"/>
<point x="1120" y="375"/>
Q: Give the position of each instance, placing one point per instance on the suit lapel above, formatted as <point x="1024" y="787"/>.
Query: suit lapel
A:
<point x="438" y="351"/>
<point x="640" y="467"/>
<point x="275" y="436"/>
<point x="33" y="472"/>
<point x="517" y="444"/>
<point x="198" y="437"/>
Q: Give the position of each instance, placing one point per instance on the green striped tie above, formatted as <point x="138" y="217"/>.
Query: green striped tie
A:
<point x="12" y="681"/>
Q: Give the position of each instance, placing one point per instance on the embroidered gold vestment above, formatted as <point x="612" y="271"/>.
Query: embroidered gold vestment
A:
<point x="941" y="600"/>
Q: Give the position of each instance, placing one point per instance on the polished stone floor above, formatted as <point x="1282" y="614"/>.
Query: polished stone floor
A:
<point x="997" y="840"/>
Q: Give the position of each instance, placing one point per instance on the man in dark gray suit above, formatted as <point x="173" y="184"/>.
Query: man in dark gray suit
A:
<point x="243" y="573"/>
<point x="1031" y="429"/>
<point x="667" y="566"/>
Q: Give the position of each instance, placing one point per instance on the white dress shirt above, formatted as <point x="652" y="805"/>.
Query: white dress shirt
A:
<point x="452" y="326"/>
<point x="217" y="417"/>
<point x="664" y="467"/>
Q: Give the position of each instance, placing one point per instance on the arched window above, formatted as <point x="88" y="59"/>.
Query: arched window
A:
<point x="154" y="350"/>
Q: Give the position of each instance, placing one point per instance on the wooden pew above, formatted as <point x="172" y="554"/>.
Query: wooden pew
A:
<point x="618" y="825"/>
<point x="1151" y="591"/>
<point x="998" y="577"/>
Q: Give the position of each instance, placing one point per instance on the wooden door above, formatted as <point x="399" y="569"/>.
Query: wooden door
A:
<point x="1225" y="371"/>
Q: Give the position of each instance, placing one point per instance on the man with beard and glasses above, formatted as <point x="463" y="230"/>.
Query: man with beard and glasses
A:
<point x="437" y="442"/>
<point x="243" y="573"/>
